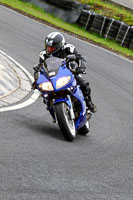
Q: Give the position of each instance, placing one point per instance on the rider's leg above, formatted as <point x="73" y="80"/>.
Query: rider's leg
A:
<point x="85" y="87"/>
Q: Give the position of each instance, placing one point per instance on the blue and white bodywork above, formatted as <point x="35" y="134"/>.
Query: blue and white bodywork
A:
<point x="63" y="97"/>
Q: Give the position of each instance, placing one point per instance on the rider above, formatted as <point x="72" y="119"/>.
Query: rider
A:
<point x="56" y="46"/>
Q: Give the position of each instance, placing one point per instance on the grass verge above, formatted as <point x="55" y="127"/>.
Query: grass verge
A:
<point x="109" y="9"/>
<point x="39" y="14"/>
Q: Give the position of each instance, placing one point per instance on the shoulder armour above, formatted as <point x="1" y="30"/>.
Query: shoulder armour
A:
<point x="70" y="47"/>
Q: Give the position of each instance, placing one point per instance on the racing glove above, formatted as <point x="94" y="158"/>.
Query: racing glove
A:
<point x="80" y="70"/>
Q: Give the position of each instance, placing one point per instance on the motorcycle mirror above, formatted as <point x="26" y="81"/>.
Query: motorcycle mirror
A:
<point x="71" y="57"/>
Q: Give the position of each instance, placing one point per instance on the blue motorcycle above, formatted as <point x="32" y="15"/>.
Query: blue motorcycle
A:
<point x="63" y="97"/>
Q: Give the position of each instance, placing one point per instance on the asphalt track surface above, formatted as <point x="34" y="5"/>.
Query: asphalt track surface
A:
<point x="127" y="3"/>
<point x="36" y="163"/>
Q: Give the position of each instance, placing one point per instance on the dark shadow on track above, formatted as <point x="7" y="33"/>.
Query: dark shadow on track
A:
<point x="35" y="125"/>
<point x="40" y="127"/>
<point x="47" y="129"/>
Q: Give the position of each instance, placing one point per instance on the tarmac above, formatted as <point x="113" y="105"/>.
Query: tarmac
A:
<point x="125" y="3"/>
<point x="15" y="81"/>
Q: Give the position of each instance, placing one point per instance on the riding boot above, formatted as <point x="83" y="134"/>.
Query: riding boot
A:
<point x="85" y="87"/>
<point x="91" y="106"/>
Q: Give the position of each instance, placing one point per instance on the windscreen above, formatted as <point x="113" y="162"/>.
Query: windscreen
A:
<point x="53" y="64"/>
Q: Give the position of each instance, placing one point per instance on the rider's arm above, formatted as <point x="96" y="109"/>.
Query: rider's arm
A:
<point x="42" y="57"/>
<point x="81" y="61"/>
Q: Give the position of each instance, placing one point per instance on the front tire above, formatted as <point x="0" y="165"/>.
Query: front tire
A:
<point x="66" y="124"/>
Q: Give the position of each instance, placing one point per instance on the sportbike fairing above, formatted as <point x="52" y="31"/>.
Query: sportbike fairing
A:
<point x="56" y="71"/>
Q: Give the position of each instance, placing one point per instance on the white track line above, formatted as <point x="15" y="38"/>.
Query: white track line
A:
<point x="34" y="96"/>
<point x="31" y="100"/>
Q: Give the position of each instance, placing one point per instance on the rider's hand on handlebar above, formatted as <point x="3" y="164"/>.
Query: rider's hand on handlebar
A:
<point x="80" y="70"/>
<point x="73" y="66"/>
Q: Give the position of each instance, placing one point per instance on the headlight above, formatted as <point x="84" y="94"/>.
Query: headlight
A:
<point x="47" y="86"/>
<point x="62" y="81"/>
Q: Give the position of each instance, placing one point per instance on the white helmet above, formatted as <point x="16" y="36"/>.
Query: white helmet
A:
<point x="54" y="42"/>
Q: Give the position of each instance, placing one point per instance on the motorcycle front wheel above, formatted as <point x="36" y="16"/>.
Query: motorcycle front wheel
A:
<point x="66" y="124"/>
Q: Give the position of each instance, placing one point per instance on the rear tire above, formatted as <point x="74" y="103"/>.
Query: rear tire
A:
<point x="85" y="129"/>
<point x="66" y="124"/>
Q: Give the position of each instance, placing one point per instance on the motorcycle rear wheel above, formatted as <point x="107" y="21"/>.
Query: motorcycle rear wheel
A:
<point x="84" y="129"/>
<point x="66" y="124"/>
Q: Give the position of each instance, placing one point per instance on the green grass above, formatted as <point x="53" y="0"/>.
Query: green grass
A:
<point x="74" y="29"/>
<point x="111" y="10"/>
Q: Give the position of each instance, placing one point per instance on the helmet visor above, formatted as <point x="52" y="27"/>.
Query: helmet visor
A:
<point x="50" y="49"/>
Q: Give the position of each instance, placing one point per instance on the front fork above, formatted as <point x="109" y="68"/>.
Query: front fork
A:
<point x="50" y="106"/>
<point x="71" y="108"/>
